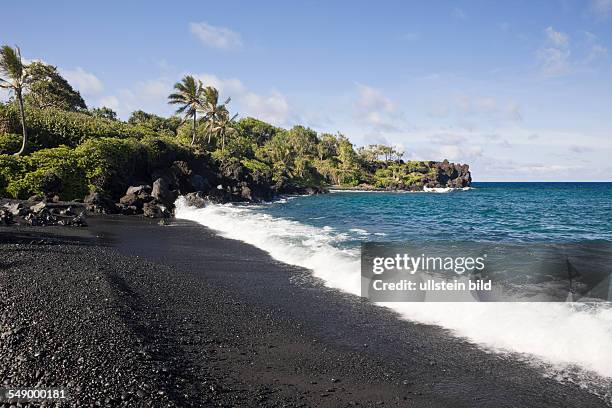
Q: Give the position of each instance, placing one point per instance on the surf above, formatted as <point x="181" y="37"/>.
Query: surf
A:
<point x="565" y="338"/>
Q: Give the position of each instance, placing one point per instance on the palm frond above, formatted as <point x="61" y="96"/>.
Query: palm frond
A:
<point x="11" y="65"/>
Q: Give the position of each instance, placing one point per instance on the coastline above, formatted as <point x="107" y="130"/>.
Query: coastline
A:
<point x="203" y="319"/>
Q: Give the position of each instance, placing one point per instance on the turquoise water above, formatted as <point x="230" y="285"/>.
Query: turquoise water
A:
<point x="523" y="225"/>
<point x="491" y="212"/>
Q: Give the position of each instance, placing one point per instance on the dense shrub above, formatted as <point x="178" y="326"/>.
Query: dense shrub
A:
<point x="49" y="172"/>
<point x="257" y="168"/>
<point x="111" y="164"/>
<point x="49" y="127"/>
<point x="162" y="151"/>
<point x="11" y="168"/>
<point x="401" y="175"/>
<point x="9" y="143"/>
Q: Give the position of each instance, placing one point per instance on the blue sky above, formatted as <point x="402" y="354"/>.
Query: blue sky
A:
<point x="520" y="90"/>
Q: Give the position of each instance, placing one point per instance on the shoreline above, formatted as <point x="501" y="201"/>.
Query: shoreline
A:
<point x="240" y="327"/>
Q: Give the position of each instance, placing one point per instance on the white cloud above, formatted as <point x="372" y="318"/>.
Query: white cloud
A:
<point x="376" y="110"/>
<point x="86" y="82"/>
<point x="372" y="99"/>
<point x="217" y="37"/>
<point x="466" y="106"/>
<point x="110" y="102"/>
<point x="272" y="106"/>
<point x="4" y="94"/>
<point x="557" y="38"/>
<point x="151" y="96"/>
<point x="595" y="50"/>
<point x="554" y="57"/>
<point x="459" y="152"/>
<point x="554" y="62"/>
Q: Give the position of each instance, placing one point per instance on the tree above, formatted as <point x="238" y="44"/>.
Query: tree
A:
<point x="303" y="141"/>
<point x="327" y="146"/>
<point x="372" y="153"/>
<point x="155" y="122"/>
<point x="104" y="113"/>
<point x="189" y="96"/>
<point x="213" y="111"/>
<point x="259" y="131"/>
<point x="14" y="76"/>
<point x="48" y="89"/>
<point x="224" y="126"/>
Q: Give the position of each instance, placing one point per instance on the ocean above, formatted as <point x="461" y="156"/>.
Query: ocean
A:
<point x="324" y="233"/>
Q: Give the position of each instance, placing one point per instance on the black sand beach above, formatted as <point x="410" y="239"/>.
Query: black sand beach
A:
<point x="130" y="313"/>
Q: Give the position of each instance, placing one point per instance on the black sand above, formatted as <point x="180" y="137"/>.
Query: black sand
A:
<point x="130" y="313"/>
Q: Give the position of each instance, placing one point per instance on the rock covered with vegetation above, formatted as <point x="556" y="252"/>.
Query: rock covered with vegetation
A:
<point x="69" y="152"/>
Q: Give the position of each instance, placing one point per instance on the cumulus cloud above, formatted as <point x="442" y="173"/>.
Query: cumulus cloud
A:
<point x="373" y="99"/>
<point x="110" y="102"/>
<point x="272" y="106"/>
<point x="85" y="82"/>
<point x="149" y="95"/>
<point x="152" y="96"/>
<point x="216" y="37"/>
<point x="459" y="152"/>
<point x="376" y="110"/>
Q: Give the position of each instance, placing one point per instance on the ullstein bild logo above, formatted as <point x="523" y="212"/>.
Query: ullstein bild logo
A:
<point x="477" y="272"/>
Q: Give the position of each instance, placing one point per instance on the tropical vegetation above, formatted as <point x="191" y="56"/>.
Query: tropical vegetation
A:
<point x="76" y="150"/>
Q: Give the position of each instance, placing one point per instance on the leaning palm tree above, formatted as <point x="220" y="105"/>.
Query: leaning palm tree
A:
<point x="212" y="109"/>
<point x="14" y="76"/>
<point x="224" y="126"/>
<point x="189" y="96"/>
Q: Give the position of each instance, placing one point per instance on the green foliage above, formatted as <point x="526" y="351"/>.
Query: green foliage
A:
<point x="380" y="152"/>
<point x="11" y="169"/>
<point x="259" y="131"/>
<point x="109" y="163"/>
<point x="48" y="172"/>
<point x="51" y="127"/>
<point x="13" y="74"/>
<point x="93" y="150"/>
<point x="103" y="113"/>
<point x="48" y="89"/>
<point x="162" y="151"/>
<point x="399" y="176"/>
<point x="257" y="168"/>
<point x="167" y="126"/>
<point x="9" y="143"/>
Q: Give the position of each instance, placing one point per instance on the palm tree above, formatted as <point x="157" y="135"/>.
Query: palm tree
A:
<point x="224" y="125"/>
<point x="213" y="110"/>
<point x="15" y="77"/>
<point x="189" y="96"/>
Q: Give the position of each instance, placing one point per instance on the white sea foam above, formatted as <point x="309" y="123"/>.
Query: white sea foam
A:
<point x="558" y="334"/>
<point x="359" y="231"/>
